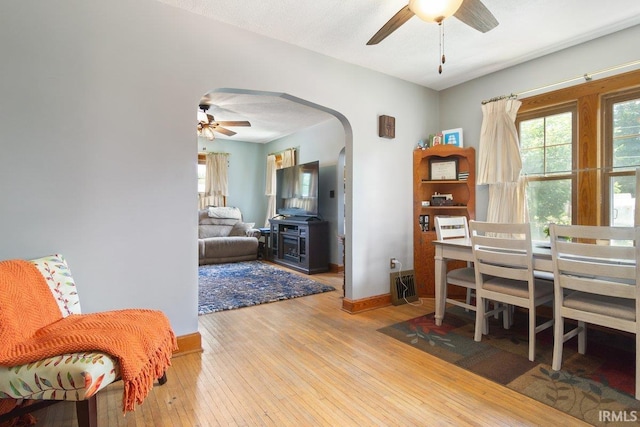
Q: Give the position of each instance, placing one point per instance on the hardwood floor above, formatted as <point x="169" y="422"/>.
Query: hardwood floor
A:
<point x="305" y="362"/>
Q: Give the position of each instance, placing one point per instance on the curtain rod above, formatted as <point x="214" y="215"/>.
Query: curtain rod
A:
<point x="586" y="76"/>
<point x="497" y="98"/>
<point x="213" y="152"/>
<point x="282" y="151"/>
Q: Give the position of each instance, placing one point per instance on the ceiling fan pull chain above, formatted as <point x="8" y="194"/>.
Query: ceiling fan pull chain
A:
<point x="442" y="57"/>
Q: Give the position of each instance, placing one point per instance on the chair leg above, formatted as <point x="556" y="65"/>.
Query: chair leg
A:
<point x="582" y="338"/>
<point x="637" y="366"/>
<point x="163" y="379"/>
<point x="558" y="341"/>
<point x="485" y="324"/>
<point x="468" y="300"/>
<point x="480" y="318"/>
<point x="506" y="316"/>
<point x="87" y="412"/>
<point x="532" y="334"/>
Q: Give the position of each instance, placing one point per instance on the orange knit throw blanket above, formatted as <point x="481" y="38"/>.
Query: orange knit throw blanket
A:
<point x="32" y="328"/>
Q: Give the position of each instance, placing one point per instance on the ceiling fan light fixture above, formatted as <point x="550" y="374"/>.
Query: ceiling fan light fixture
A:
<point x="205" y="131"/>
<point x="434" y="10"/>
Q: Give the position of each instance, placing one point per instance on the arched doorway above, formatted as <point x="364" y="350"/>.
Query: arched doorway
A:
<point x="262" y="107"/>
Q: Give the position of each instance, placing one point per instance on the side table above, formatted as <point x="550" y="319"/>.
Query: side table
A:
<point x="264" y="244"/>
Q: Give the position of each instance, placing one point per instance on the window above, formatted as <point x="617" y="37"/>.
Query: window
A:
<point x="547" y="139"/>
<point x="622" y="150"/>
<point x="591" y="180"/>
<point x="202" y="172"/>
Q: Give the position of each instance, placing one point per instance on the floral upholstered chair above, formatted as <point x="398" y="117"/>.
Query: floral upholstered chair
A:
<point x="66" y="377"/>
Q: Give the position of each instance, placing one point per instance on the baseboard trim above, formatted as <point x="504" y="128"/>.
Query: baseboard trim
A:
<point x="188" y="344"/>
<point x="335" y="268"/>
<point x="365" y="304"/>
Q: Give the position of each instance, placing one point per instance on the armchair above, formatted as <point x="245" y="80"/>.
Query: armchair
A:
<point x="50" y="356"/>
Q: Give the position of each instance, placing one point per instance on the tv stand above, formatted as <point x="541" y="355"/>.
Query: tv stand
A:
<point x="301" y="218"/>
<point x="300" y="243"/>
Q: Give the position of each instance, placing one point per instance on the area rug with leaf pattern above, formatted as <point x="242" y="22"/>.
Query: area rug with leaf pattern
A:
<point x="242" y="284"/>
<point x="589" y="387"/>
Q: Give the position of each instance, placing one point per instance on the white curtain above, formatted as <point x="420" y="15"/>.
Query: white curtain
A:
<point x="270" y="190"/>
<point x="288" y="159"/>
<point x="500" y="164"/>
<point x="216" y="186"/>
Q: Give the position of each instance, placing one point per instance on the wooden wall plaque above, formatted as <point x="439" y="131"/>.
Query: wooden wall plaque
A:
<point x="386" y="127"/>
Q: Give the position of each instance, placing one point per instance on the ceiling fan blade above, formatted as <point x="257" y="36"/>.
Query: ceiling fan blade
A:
<point x="393" y="24"/>
<point x="476" y="15"/>
<point x="234" y="123"/>
<point x="210" y="118"/>
<point x="224" y="131"/>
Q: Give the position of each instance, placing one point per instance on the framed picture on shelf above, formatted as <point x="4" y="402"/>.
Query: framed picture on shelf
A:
<point x="452" y="137"/>
<point x="443" y="169"/>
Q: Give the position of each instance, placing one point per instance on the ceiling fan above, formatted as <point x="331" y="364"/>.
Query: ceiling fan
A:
<point x="471" y="12"/>
<point x="207" y="124"/>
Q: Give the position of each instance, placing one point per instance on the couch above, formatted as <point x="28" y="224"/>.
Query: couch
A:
<point x="224" y="237"/>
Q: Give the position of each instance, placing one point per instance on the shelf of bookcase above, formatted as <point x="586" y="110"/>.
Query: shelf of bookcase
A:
<point x="443" y="181"/>
<point x="445" y="207"/>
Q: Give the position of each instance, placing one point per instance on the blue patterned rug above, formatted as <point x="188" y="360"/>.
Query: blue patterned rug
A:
<point x="243" y="284"/>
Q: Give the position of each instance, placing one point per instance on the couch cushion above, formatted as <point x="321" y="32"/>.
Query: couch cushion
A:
<point x="230" y="247"/>
<point x="240" y="228"/>
<point x="74" y="376"/>
<point x="207" y="231"/>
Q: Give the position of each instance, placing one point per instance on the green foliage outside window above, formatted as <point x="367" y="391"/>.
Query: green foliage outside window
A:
<point x="546" y="150"/>
<point x="626" y="156"/>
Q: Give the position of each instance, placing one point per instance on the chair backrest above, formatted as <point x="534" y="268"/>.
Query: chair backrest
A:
<point x="502" y="250"/>
<point x="451" y="227"/>
<point x="58" y="276"/>
<point x="599" y="260"/>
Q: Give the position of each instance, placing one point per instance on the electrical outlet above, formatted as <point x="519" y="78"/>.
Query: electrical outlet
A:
<point x="392" y="263"/>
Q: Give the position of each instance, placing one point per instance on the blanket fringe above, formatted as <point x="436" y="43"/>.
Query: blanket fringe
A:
<point x="137" y="389"/>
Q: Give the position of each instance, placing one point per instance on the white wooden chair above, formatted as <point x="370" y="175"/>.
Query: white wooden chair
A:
<point x="503" y="260"/>
<point x="454" y="227"/>
<point x="596" y="281"/>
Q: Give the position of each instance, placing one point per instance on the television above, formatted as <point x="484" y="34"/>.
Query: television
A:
<point x="297" y="190"/>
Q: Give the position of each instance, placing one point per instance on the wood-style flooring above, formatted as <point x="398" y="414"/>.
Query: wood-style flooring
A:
<point x="305" y="362"/>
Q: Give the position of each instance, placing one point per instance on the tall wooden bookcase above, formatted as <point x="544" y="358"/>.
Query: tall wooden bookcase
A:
<point x="434" y="173"/>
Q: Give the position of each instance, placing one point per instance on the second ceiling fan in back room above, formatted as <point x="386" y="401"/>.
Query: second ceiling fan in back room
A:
<point x="207" y="124"/>
<point x="471" y="12"/>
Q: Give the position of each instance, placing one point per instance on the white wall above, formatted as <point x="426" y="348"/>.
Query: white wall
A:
<point x="460" y="106"/>
<point x="98" y="150"/>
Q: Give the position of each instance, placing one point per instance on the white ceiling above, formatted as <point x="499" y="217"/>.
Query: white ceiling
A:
<point x="340" y="29"/>
<point x="272" y="116"/>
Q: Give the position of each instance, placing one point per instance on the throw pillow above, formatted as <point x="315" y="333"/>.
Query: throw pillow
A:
<point x="240" y="228"/>
<point x="224" y="212"/>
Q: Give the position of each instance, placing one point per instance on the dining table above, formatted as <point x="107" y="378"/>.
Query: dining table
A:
<point x="460" y="249"/>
